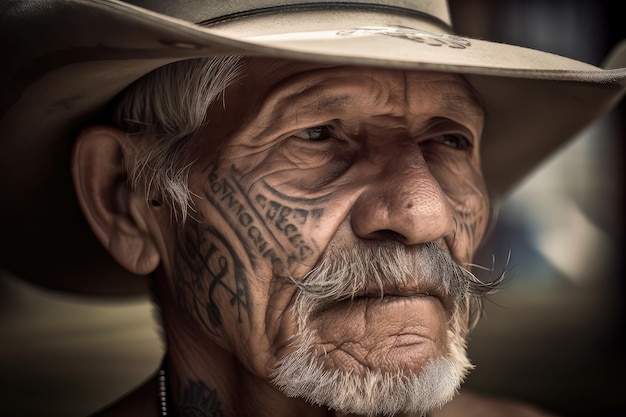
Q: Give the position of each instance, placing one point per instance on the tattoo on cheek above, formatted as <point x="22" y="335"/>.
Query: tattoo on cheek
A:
<point x="286" y="219"/>
<point x="471" y="215"/>
<point x="268" y="228"/>
<point x="468" y="225"/>
<point x="205" y="263"/>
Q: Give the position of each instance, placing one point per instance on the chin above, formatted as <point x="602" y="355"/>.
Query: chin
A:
<point x="306" y="373"/>
<point x="380" y="330"/>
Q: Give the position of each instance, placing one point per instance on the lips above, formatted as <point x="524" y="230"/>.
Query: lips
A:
<point x="389" y="290"/>
<point x="390" y="293"/>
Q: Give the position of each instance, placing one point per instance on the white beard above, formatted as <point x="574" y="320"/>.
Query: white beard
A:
<point x="300" y="374"/>
<point x="370" y="392"/>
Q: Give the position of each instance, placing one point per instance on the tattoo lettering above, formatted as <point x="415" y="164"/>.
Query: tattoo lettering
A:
<point x="262" y="227"/>
<point x="226" y="196"/>
<point x="286" y="220"/>
<point x="206" y="263"/>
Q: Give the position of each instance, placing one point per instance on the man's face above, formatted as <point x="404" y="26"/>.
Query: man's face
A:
<point x="327" y="200"/>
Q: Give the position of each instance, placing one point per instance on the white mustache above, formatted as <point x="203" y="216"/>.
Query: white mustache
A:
<point x="372" y="268"/>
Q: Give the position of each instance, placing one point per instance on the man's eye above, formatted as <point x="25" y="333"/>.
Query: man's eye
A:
<point x="315" y="133"/>
<point x="453" y="140"/>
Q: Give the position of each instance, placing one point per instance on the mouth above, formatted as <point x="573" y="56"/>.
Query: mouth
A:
<point x="389" y="294"/>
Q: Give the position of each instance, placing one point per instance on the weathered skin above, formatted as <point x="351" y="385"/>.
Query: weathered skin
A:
<point x="298" y="160"/>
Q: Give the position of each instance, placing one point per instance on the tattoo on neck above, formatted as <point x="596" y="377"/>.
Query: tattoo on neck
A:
<point x="198" y="400"/>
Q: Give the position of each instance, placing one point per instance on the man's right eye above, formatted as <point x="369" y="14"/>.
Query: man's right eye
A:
<point x="315" y="133"/>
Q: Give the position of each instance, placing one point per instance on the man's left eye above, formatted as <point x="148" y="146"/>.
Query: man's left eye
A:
<point x="315" y="133"/>
<point x="453" y="140"/>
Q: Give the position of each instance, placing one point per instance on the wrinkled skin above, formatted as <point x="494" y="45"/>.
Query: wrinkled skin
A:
<point x="305" y="158"/>
<point x="299" y="160"/>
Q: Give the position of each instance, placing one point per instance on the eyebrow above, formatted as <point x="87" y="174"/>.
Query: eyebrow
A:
<point x="465" y="105"/>
<point x="330" y="102"/>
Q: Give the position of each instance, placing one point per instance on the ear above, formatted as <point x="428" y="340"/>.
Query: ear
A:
<point x="117" y="214"/>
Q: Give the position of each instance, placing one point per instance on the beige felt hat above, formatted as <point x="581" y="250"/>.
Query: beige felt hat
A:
<point x="63" y="60"/>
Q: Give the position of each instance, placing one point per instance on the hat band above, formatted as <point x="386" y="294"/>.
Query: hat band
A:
<point x="387" y="8"/>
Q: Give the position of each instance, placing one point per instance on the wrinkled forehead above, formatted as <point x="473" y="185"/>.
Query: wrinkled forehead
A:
<point x="268" y="79"/>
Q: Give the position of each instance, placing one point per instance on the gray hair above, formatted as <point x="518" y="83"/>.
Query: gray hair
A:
<point x="162" y="111"/>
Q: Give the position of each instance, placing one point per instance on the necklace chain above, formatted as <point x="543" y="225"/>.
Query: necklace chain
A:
<point x="162" y="392"/>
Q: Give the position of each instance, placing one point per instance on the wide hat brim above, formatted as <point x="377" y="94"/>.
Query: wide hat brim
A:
<point x="64" y="60"/>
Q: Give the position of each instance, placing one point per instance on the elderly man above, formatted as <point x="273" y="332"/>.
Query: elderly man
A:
<point x="302" y="182"/>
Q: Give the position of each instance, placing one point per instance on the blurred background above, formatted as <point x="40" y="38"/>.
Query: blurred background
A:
<point x="554" y="336"/>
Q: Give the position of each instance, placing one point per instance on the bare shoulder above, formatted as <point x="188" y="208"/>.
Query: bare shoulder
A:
<point x="468" y="404"/>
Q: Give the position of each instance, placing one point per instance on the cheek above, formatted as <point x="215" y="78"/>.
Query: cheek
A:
<point x="209" y="271"/>
<point x="298" y="168"/>
<point x="467" y="195"/>
<point x="275" y="229"/>
<point x="235" y="259"/>
<point x="472" y="215"/>
<point x="222" y="301"/>
<point x="316" y="163"/>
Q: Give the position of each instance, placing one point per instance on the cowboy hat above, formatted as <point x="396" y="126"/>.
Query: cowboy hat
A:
<point x="62" y="61"/>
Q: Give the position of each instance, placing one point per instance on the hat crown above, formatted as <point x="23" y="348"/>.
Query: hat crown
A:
<point x="212" y="11"/>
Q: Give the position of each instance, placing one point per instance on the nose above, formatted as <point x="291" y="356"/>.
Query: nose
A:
<point x="402" y="201"/>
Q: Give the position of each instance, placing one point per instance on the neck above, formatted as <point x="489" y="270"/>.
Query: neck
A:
<point x="215" y="382"/>
<point x="211" y="399"/>
<point x="225" y="389"/>
<point x="205" y="379"/>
